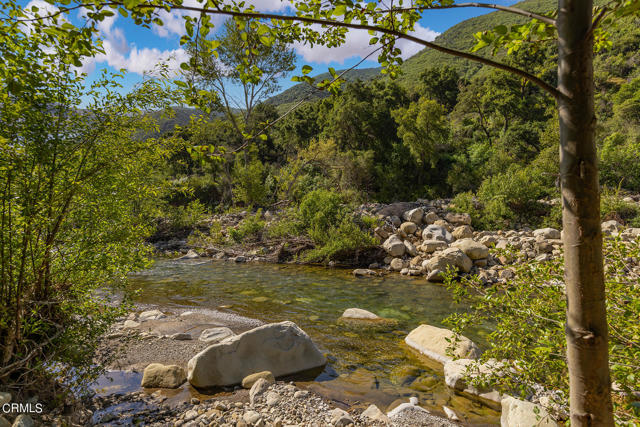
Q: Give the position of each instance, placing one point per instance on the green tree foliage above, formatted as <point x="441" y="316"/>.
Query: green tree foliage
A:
<point x="76" y="198"/>
<point x="442" y="84"/>
<point x="528" y="314"/>
<point x="423" y="127"/>
<point x="238" y="57"/>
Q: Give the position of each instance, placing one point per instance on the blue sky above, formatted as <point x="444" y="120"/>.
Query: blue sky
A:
<point x="138" y="49"/>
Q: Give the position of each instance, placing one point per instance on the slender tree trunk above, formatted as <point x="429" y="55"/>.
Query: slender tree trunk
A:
<point x="586" y="327"/>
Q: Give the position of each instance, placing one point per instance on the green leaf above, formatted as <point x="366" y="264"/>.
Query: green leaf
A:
<point x="306" y="69"/>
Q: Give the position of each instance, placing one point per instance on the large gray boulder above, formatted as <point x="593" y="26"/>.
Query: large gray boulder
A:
<point x="471" y="248"/>
<point x="394" y="246"/>
<point x="433" y="342"/>
<point x="281" y="348"/>
<point x="520" y="413"/>
<point x="436" y="232"/>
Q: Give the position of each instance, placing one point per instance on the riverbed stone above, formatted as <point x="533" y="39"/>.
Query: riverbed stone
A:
<point x="214" y="335"/>
<point x="5" y="397"/>
<point x="251" y="417"/>
<point x="410" y="248"/>
<point x="611" y="227"/>
<point x="250" y="380"/>
<point x="23" y="420"/>
<point x="191" y="254"/>
<point x="450" y="257"/>
<point x="431" y="246"/>
<point x="281" y="348"/>
<point x="258" y="389"/>
<point x="375" y="414"/>
<point x="436" y="232"/>
<point x="358" y="313"/>
<point x="408" y="227"/>
<point x="394" y="246"/>
<point x="364" y="272"/>
<point x="340" y="418"/>
<point x="131" y="324"/>
<point x="458" y="218"/>
<point x="151" y="315"/>
<point x="471" y="248"/>
<point x="520" y="413"/>
<point x="157" y="375"/>
<point x="397" y="264"/>
<point x="454" y="377"/>
<point x="414" y="216"/>
<point x="430" y="217"/>
<point x="462" y="232"/>
<point x="432" y="342"/>
<point x="547" y="233"/>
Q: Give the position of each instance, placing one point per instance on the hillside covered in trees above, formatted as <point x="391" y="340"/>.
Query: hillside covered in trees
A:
<point x="470" y="132"/>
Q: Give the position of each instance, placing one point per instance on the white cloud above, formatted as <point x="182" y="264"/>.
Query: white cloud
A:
<point x="357" y="45"/>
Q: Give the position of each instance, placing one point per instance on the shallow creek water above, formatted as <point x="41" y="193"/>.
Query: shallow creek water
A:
<point x="373" y="367"/>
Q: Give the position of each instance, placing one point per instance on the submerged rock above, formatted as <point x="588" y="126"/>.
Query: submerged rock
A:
<point x="358" y="313"/>
<point x="281" y="348"/>
<point x="364" y="272"/>
<point x="432" y="342"/>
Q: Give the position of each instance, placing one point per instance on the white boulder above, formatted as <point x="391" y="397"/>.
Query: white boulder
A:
<point x="520" y="413"/>
<point x="281" y="348"/>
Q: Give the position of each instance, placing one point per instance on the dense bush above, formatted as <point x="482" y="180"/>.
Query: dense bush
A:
<point x="528" y="314"/>
<point x="78" y="186"/>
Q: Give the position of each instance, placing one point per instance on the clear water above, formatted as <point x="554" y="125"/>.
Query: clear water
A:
<point x="365" y="366"/>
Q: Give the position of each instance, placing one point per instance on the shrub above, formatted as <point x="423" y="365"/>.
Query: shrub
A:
<point x="345" y="238"/>
<point x="181" y="217"/>
<point x="249" y="181"/>
<point x="321" y="210"/>
<point x="527" y="316"/>
<point x="249" y="228"/>
<point x="613" y="207"/>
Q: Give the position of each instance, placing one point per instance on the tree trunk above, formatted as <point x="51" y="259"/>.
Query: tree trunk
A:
<point x="586" y="327"/>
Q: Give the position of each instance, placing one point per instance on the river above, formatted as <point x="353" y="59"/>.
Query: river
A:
<point x="364" y="366"/>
